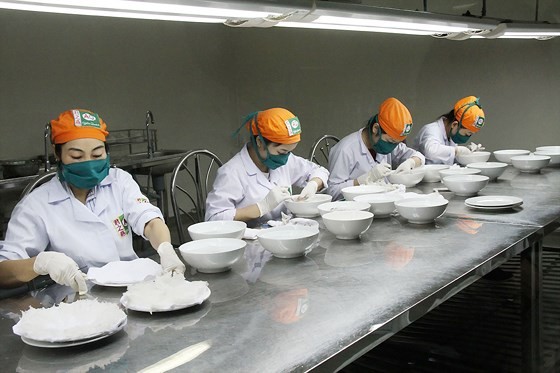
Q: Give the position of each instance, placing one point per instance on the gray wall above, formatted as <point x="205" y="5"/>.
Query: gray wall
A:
<point x="200" y="80"/>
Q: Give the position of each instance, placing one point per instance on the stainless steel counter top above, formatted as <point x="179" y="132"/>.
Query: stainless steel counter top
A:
<point x="314" y="312"/>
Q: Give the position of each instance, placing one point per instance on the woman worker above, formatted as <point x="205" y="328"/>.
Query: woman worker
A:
<point x="438" y="140"/>
<point x="82" y="218"/>
<point x="368" y="155"/>
<point x="253" y="184"/>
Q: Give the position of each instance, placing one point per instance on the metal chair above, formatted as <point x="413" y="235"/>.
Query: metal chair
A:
<point x="320" y="149"/>
<point x="38" y="181"/>
<point x="191" y="181"/>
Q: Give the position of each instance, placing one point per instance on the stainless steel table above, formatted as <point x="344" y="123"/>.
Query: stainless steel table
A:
<point x="319" y="311"/>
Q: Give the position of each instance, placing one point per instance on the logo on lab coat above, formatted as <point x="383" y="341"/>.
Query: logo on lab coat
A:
<point x="293" y="126"/>
<point x="121" y="225"/>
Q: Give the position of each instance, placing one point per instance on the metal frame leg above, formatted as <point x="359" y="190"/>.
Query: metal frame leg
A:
<point x="531" y="308"/>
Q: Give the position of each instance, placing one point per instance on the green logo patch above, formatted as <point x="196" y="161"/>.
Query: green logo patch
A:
<point x="407" y="129"/>
<point x="86" y="119"/>
<point x="479" y="122"/>
<point x="293" y="126"/>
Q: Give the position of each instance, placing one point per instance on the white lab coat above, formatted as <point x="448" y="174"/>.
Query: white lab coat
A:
<point x="51" y="219"/>
<point x="350" y="158"/>
<point x="240" y="183"/>
<point x="433" y="143"/>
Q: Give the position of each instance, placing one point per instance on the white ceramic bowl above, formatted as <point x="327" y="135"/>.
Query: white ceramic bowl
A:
<point x="550" y="148"/>
<point x="491" y="169"/>
<point x="307" y="208"/>
<point x="212" y="255"/>
<point x="343" y="206"/>
<point x="348" y="225"/>
<point x="432" y="172"/>
<point x="553" y="154"/>
<point x="382" y="205"/>
<point x="505" y="155"/>
<point x="530" y="163"/>
<point x="350" y="192"/>
<point x="421" y="210"/>
<point x="465" y="185"/>
<point x="408" y="179"/>
<point x="289" y="241"/>
<point x="473" y="157"/>
<point x="458" y="171"/>
<point x="217" y="229"/>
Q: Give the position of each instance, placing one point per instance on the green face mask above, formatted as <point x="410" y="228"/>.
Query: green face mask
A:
<point x="84" y="175"/>
<point x="458" y="138"/>
<point x="272" y="161"/>
<point x="381" y="146"/>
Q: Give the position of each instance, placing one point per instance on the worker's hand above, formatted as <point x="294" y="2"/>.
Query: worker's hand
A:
<point x="377" y="172"/>
<point x="62" y="269"/>
<point x="276" y="196"/>
<point x="473" y="147"/>
<point x="462" y="150"/>
<point x="309" y="190"/>
<point x="169" y="260"/>
<point x="406" y="166"/>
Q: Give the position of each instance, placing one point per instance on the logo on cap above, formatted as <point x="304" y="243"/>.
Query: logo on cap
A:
<point x="479" y="122"/>
<point x="407" y="129"/>
<point x="85" y="119"/>
<point x="293" y="126"/>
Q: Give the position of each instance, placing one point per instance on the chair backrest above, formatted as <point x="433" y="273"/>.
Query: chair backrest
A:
<point x="39" y="180"/>
<point x="192" y="179"/>
<point x="320" y="150"/>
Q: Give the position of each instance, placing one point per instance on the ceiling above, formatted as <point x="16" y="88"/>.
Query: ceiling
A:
<point x="518" y="10"/>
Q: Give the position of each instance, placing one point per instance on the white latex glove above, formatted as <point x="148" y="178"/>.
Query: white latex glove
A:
<point x="406" y="166"/>
<point x="62" y="269"/>
<point x="169" y="260"/>
<point x="462" y="150"/>
<point x="309" y="190"/>
<point x="377" y="172"/>
<point x="273" y="199"/>
<point x="475" y="147"/>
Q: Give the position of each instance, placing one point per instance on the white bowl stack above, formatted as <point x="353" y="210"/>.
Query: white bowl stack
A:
<point x="217" y="229"/>
<point x="381" y="205"/>
<point x="491" y="169"/>
<point x="552" y="151"/>
<point x="212" y="255"/>
<point x="288" y="241"/>
<point x="458" y="171"/>
<point x="409" y="178"/>
<point x="307" y="208"/>
<point x="530" y="163"/>
<point x="348" y="225"/>
<point x="505" y="155"/>
<point x="465" y="185"/>
<point x="432" y="172"/>
<point x="421" y="210"/>
<point x="350" y="192"/>
<point x="343" y="206"/>
<point x="479" y="156"/>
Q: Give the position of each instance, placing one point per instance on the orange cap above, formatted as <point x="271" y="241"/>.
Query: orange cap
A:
<point x="395" y="119"/>
<point x="77" y="124"/>
<point x="469" y="113"/>
<point x="277" y="125"/>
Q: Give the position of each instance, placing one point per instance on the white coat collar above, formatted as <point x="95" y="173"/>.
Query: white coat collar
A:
<point x="253" y="171"/>
<point x="250" y="166"/>
<point x="59" y="192"/>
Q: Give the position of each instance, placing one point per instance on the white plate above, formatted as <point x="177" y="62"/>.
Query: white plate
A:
<point x="493" y="202"/>
<point x="165" y="293"/>
<point x="124" y="273"/>
<point x="44" y="344"/>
